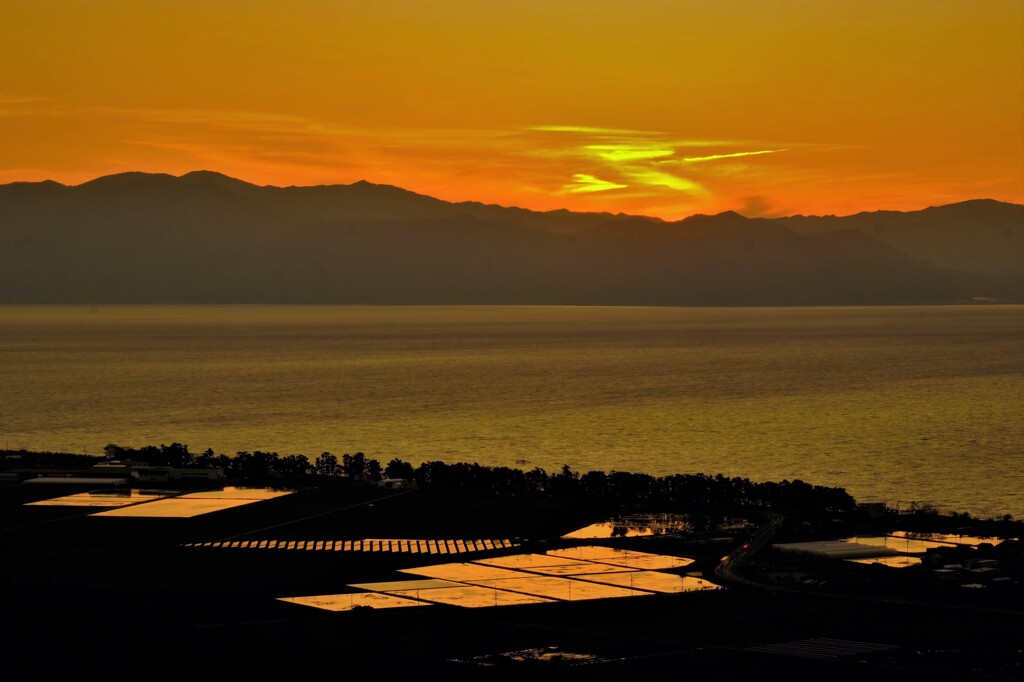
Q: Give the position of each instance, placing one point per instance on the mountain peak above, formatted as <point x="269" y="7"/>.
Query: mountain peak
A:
<point x="214" y="178"/>
<point x="974" y="205"/>
<point x="718" y="218"/>
<point x="366" y="185"/>
<point x="207" y="175"/>
<point x="128" y="179"/>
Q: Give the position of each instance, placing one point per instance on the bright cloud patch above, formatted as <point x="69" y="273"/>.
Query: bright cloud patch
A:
<point x="588" y="183"/>
<point x="590" y="129"/>
<point x="628" y="152"/>
<point x="715" y="157"/>
<point x="653" y="178"/>
<point x="650" y="164"/>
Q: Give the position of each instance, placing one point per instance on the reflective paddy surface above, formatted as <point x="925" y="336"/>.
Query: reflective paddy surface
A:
<point x="166" y="503"/>
<point x="104" y="498"/>
<point x="576" y="574"/>
<point x="646" y="525"/>
<point x="196" y="504"/>
<point x="899" y="549"/>
<point x="347" y="602"/>
<point x="898" y="561"/>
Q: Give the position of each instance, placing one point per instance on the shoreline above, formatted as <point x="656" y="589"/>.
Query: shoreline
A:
<point x="29" y="464"/>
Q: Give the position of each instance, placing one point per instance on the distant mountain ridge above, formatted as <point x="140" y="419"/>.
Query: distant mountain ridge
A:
<point x="207" y="238"/>
<point x="983" y="236"/>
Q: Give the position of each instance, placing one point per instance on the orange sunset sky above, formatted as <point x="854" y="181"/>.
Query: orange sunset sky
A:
<point x="664" y="108"/>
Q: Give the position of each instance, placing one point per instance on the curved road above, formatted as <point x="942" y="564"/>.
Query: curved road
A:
<point x="726" y="570"/>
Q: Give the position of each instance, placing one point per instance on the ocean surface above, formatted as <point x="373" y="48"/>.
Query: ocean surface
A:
<point x="898" y="404"/>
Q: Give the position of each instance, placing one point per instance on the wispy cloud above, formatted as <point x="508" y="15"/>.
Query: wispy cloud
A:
<point x="629" y="151"/>
<point x="650" y="162"/>
<point x="590" y="130"/>
<point x="14" y="106"/>
<point x="732" y="155"/>
<point x="581" y="182"/>
<point x="17" y="99"/>
<point x="654" y="178"/>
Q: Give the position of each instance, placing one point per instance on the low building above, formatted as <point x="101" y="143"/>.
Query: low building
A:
<point x="198" y="474"/>
<point x="395" y="483"/>
<point x="77" y="480"/>
<point x="162" y="474"/>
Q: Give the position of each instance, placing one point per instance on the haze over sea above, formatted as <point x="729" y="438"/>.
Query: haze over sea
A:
<point x="896" y="404"/>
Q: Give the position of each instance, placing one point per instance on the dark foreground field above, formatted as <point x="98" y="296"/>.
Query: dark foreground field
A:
<point x="90" y="598"/>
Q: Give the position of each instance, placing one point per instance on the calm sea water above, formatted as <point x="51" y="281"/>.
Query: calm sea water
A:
<point x="899" y="404"/>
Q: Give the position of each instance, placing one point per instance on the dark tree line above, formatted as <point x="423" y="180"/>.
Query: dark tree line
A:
<point x="623" y="487"/>
<point x="616" y="487"/>
<point x="258" y="464"/>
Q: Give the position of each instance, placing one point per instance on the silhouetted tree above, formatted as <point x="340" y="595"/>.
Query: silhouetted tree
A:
<point x="207" y="458"/>
<point x="327" y="465"/>
<point x="594" y="484"/>
<point x="175" y="455"/>
<point x="292" y="466"/>
<point x="618" y="486"/>
<point x="565" y="483"/>
<point x="537" y="480"/>
<point x="430" y="474"/>
<point x="264" y="463"/>
<point x="373" y="470"/>
<point x="354" y="465"/>
<point x="242" y="463"/>
<point x="396" y="468"/>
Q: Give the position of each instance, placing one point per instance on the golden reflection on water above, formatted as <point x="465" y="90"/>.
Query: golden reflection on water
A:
<point x="562" y="589"/>
<point x="396" y="585"/>
<point x="918" y="543"/>
<point x="197" y="503"/>
<point x="607" y="529"/>
<point x="626" y="558"/>
<point x="872" y="549"/>
<point x="472" y="596"/>
<point x="103" y="498"/>
<point x="653" y="581"/>
<point x="898" y="561"/>
<point x="587" y="553"/>
<point x="504" y="581"/>
<point x="347" y="602"/>
<point x="463" y="572"/>
<point x="896" y="544"/>
<point x="940" y="539"/>
<point x="607" y="572"/>
<point x="528" y="562"/>
<point x="838" y="549"/>
<point x="238" y="493"/>
<point x="580" y="568"/>
<point x="632" y="526"/>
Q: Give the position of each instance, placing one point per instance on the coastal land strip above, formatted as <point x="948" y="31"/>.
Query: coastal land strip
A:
<point x="88" y="596"/>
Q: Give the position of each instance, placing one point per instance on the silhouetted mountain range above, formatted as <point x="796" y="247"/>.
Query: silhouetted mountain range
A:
<point x="207" y="238"/>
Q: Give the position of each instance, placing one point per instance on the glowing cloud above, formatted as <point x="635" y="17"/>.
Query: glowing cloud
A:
<point x="624" y="159"/>
<point x="590" y="129"/>
<point x="655" y="178"/>
<point x="588" y="183"/>
<point x="628" y="152"/>
<point x="733" y="155"/>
